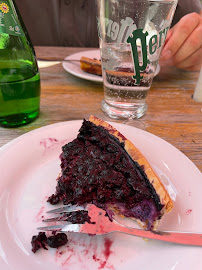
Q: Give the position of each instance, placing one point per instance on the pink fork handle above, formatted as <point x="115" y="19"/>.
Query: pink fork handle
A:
<point x="174" y="237"/>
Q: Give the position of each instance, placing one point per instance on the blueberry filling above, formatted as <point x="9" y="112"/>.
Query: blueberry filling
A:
<point x="54" y="241"/>
<point x="39" y="241"/>
<point x="97" y="169"/>
<point x="53" y="199"/>
<point x="57" y="240"/>
<point x="78" y="217"/>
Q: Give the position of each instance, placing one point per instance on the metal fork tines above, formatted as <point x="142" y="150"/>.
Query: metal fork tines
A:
<point x="96" y="216"/>
<point x="67" y="208"/>
<point x="100" y="224"/>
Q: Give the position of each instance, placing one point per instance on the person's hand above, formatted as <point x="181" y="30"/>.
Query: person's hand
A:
<point x="183" y="46"/>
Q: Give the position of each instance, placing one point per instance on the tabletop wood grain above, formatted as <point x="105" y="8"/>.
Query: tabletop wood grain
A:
<point x="172" y="113"/>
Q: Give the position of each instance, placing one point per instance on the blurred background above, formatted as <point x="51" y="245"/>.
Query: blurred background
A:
<point x="72" y="23"/>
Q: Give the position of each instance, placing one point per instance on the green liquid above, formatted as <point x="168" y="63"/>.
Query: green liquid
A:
<point x="19" y="99"/>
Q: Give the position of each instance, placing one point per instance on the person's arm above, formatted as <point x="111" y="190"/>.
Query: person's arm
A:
<point x="183" y="47"/>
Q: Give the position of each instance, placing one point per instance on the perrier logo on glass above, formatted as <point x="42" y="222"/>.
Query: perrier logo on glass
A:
<point x="4" y="8"/>
<point x="9" y="23"/>
<point x="126" y="32"/>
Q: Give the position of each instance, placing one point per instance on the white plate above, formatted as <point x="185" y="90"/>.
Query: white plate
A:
<point x="74" y="67"/>
<point x="29" y="166"/>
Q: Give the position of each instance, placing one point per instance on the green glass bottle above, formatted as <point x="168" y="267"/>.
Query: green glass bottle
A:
<point x="19" y="75"/>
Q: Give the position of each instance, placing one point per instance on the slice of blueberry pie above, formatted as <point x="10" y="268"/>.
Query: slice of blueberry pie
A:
<point x="102" y="167"/>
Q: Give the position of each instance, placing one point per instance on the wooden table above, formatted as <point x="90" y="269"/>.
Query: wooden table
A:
<point x="172" y="113"/>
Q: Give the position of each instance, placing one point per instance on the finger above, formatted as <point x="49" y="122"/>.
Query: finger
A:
<point x="194" y="59"/>
<point x="181" y="31"/>
<point x="168" y="36"/>
<point x="165" y="53"/>
<point x="166" y="63"/>
<point x="192" y="44"/>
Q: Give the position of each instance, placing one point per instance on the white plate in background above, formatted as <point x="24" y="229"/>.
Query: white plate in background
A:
<point x="74" y="67"/>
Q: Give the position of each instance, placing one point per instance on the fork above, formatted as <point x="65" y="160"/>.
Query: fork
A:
<point x="58" y="60"/>
<point x="100" y="224"/>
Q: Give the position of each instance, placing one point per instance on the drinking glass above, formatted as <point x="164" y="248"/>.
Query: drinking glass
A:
<point x="132" y="34"/>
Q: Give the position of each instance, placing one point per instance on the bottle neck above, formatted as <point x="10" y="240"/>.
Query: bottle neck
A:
<point x="9" y="19"/>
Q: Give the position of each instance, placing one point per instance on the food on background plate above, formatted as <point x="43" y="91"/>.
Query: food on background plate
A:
<point x="124" y="76"/>
<point x="119" y="76"/>
<point x="92" y="66"/>
<point x="103" y="168"/>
